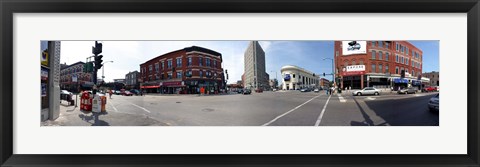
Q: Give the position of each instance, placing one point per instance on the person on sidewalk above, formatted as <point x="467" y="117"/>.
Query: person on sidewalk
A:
<point x="110" y="93"/>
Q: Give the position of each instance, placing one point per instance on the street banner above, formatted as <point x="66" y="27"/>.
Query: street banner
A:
<point x="44" y="89"/>
<point x="44" y="52"/>
<point x="354" y="47"/>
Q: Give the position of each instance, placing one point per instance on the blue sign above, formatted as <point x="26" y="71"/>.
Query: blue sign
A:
<point x="416" y="82"/>
<point x="400" y="80"/>
<point x="287" y="77"/>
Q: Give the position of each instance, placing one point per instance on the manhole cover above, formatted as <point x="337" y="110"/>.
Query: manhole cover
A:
<point x="208" y="110"/>
<point x="153" y="103"/>
<point x="178" y="102"/>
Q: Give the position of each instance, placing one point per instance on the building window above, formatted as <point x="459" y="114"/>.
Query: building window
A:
<point x="386" y="69"/>
<point x="373" y="68"/>
<point x="336" y="53"/>
<point x="387" y="45"/>
<point x="215" y="63"/>
<point x="207" y="63"/>
<point x="387" y="56"/>
<point x="407" y="51"/>
<point x="163" y="65"/>
<point x="189" y="63"/>
<point x="396" y="60"/>
<point x="200" y="61"/>
<point x="401" y="60"/>
<point x="353" y="62"/>
<point x="156" y="67"/>
<point x="380" y="55"/>
<point x="293" y="76"/>
<point x="396" y="70"/>
<point x="397" y="47"/>
<point x="373" y="55"/>
<point x="149" y="68"/>
<point x="380" y="44"/>
<point x="200" y="74"/>
<point x="169" y="64"/>
<point x="361" y="62"/>
<point x="413" y="73"/>
<point x="413" y="64"/>
<point x="406" y="61"/>
<point x="380" y="69"/>
<point x="179" y="62"/>
<point x="169" y="75"/>
<point x="179" y="74"/>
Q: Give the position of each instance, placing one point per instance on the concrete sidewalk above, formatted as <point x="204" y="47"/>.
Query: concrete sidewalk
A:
<point x="72" y="116"/>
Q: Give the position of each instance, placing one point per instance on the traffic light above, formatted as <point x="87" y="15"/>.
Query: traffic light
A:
<point x="97" y="49"/>
<point x="98" y="62"/>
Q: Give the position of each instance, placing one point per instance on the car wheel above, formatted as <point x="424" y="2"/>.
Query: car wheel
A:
<point x="359" y="94"/>
<point x="376" y="93"/>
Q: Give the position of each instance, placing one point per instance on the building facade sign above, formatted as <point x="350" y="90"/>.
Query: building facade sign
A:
<point x="353" y="70"/>
<point x="354" y="47"/>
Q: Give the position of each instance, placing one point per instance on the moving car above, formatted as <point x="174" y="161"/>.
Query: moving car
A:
<point x="433" y="103"/>
<point x="135" y="92"/>
<point x="366" y="91"/>
<point x="305" y="90"/>
<point x="316" y="90"/>
<point x="67" y="96"/>
<point x="247" y="91"/>
<point x="407" y="90"/>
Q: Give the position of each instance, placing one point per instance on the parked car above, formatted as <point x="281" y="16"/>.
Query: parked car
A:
<point x="247" y="91"/>
<point x="304" y="90"/>
<point x="433" y="103"/>
<point x="67" y="96"/>
<point x="259" y="90"/>
<point x="127" y="93"/>
<point x="135" y="92"/>
<point x="366" y="91"/>
<point x="429" y="89"/>
<point x="316" y="90"/>
<point x="117" y="92"/>
<point x="240" y="91"/>
<point x="438" y="88"/>
<point x="407" y="90"/>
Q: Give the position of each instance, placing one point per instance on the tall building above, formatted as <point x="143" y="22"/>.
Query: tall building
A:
<point x="378" y="63"/>
<point x="255" y="75"/>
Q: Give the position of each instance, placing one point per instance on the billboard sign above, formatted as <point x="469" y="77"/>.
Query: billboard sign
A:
<point x="287" y="77"/>
<point x="44" y="53"/>
<point x="354" y="47"/>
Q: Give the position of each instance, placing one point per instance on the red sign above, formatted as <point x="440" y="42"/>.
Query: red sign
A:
<point x="176" y="83"/>
<point x="150" y="87"/>
<point x="350" y="73"/>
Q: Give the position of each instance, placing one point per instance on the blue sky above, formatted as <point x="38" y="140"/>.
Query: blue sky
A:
<point x="128" y="55"/>
<point x="431" y="55"/>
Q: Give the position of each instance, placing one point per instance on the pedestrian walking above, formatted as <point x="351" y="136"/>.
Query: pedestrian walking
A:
<point x="110" y="93"/>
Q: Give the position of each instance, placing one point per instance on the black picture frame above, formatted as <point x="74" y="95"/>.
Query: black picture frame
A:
<point x="9" y="7"/>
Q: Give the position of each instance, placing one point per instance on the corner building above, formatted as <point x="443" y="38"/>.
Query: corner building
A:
<point x="295" y="78"/>
<point x="377" y="64"/>
<point x="185" y="71"/>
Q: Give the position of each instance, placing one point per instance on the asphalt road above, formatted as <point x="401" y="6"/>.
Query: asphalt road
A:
<point x="290" y="108"/>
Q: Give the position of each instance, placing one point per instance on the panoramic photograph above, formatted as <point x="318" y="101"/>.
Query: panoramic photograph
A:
<point x="239" y="83"/>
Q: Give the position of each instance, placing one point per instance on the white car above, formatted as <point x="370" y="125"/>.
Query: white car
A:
<point x="366" y="91"/>
<point x="438" y="88"/>
<point x="433" y="103"/>
<point x="316" y="90"/>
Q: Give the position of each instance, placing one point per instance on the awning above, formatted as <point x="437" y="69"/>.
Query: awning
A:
<point x="150" y="87"/>
<point x="400" y="80"/>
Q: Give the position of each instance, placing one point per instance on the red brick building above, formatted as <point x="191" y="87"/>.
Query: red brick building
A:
<point x="377" y="63"/>
<point x="184" y="71"/>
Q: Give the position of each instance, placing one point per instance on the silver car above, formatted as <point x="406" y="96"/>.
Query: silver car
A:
<point x="366" y="91"/>
<point x="407" y="90"/>
<point x="433" y="103"/>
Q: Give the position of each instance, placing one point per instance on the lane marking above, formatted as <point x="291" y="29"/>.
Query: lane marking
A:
<point x="371" y="98"/>
<point x="323" y="112"/>
<point x="113" y="107"/>
<point x="342" y="99"/>
<point x="280" y="116"/>
<point x="140" y="107"/>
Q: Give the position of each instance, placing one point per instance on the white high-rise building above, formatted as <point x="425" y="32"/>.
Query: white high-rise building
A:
<point x="255" y="75"/>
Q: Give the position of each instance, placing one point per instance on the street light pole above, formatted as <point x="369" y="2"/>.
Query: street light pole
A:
<point x="276" y="79"/>
<point x="103" y="70"/>
<point x="333" y="71"/>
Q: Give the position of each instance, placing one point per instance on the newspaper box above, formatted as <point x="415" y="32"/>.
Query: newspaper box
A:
<point x="96" y="103"/>
<point x="104" y="102"/>
<point x="86" y="102"/>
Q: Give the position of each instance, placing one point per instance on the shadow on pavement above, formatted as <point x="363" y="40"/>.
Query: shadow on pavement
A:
<point x="94" y="116"/>
<point x="411" y="111"/>
<point x="367" y="122"/>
